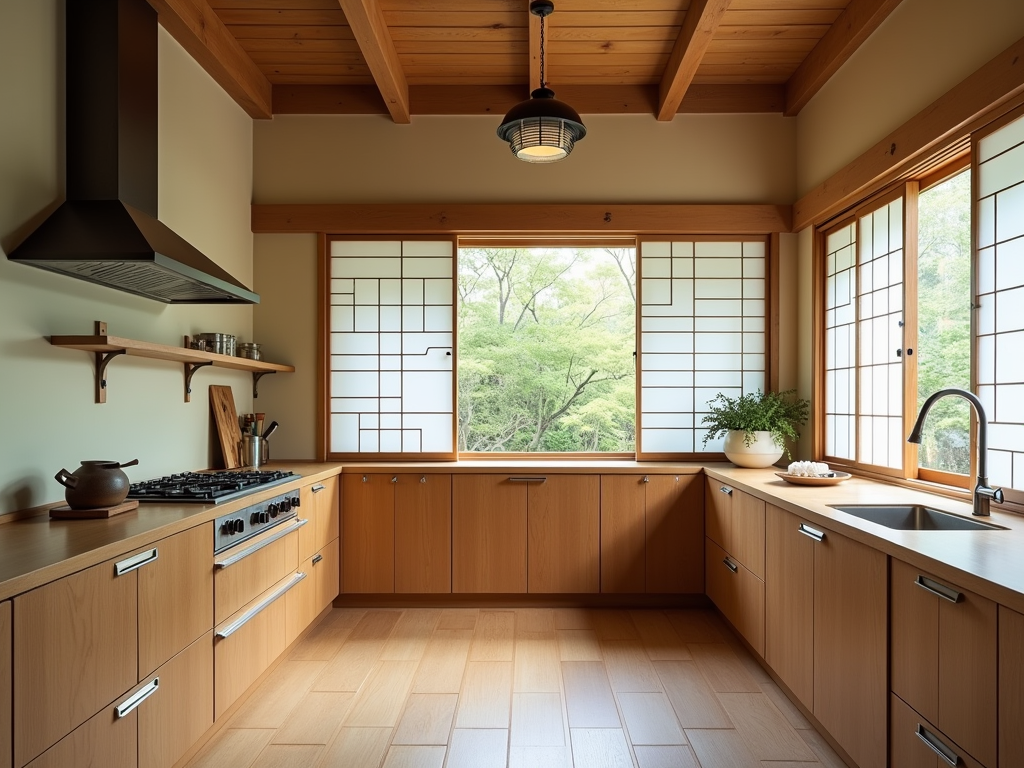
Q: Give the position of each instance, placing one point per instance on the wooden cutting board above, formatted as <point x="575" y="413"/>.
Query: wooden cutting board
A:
<point x="64" y="512"/>
<point x="222" y="403"/>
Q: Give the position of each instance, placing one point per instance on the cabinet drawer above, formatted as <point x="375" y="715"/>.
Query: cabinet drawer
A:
<point x="327" y="503"/>
<point x="718" y="511"/>
<point x="75" y="651"/>
<point x="735" y="521"/>
<point x="258" y="569"/>
<point x="326" y="576"/>
<point x="915" y="743"/>
<point x="738" y="593"/>
<point x="103" y="740"/>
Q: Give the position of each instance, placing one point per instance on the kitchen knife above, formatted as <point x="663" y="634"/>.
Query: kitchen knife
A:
<point x="270" y="430"/>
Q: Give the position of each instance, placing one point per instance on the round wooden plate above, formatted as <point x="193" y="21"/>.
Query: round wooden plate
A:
<point x="799" y="480"/>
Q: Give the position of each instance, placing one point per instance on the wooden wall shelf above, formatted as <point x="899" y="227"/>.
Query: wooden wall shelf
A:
<point x="106" y="348"/>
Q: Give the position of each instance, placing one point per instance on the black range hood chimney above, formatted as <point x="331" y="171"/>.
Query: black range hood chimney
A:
<point x="107" y="231"/>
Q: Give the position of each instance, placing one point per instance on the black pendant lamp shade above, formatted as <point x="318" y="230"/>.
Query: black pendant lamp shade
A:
<point x="541" y="129"/>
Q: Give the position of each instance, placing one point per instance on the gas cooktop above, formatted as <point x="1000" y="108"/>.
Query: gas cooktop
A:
<point x="207" y="487"/>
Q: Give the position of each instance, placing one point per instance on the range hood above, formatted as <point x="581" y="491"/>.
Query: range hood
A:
<point x="107" y="231"/>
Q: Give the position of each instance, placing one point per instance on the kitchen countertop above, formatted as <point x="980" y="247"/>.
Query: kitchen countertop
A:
<point x="36" y="550"/>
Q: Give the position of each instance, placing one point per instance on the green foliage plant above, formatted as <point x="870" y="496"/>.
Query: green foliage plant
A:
<point x="778" y="413"/>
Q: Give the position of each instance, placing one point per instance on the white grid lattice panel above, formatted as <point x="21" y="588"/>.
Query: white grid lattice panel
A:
<point x="391" y="329"/>
<point x="702" y="331"/>
<point x="1000" y="291"/>
<point x="880" y="336"/>
<point x="840" y="342"/>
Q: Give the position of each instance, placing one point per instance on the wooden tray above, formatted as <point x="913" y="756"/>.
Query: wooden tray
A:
<point x="65" y="512"/>
<point x="800" y="480"/>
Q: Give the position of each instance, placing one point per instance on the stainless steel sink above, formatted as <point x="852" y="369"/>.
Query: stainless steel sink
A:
<point x="914" y="517"/>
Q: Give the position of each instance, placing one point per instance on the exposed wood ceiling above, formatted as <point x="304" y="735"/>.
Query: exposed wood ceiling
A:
<point x="409" y="57"/>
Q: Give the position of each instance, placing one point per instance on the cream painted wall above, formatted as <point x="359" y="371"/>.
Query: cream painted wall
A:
<point x="623" y="159"/>
<point x="47" y="415"/>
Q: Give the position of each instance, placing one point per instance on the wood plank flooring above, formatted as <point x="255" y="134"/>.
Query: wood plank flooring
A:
<point x="518" y="688"/>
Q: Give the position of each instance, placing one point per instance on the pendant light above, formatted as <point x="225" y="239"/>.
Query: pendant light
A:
<point x="541" y="129"/>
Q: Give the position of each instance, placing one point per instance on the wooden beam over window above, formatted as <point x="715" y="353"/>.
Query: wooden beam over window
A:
<point x="366" y="20"/>
<point x="498" y="99"/>
<point x="387" y="219"/>
<point x="846" y="35"/>
<point x="198" y="29"/>
<point x="702" y="19"/>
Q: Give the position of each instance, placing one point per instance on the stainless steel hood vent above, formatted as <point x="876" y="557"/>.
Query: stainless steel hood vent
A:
<point x="107" y="231"/>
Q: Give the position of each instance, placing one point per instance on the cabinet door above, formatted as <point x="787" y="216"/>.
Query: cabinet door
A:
<point x="327" y="506"/>
<point x="423" y="534"/>
<point x="175" y="597"/>
<point x="746" y="534"/>
<point x="488" y="534"/>
<point x="368" y="533"/>
<point x="1011" y="688"/>
<point x="722" y="580"/>
<point x="623" y="534"/>
<point x="738" y="593"/>
<point x="326" y="576"/>
<point x="718" y="501"/>
<point x="301" y="602"/>
<point x="850" y="646"/>
<point x="103" y="740"/>
<point x="181" y="710"/>
<point x="916" y="743"/>
<point x="675" y="534"/>
<point x="75" y="650"/>
<point x="6" y="686"/>
<point x="564" y="525"/>
<point x="789" y="602"/>
<point x="307" y="511"/>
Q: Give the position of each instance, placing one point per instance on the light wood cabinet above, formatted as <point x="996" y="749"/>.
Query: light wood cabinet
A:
<point x="175" y="597"/>
<point x="915" y="743"/>
<point x="103" y="740"/>
<point x="737" y="592"/>
<point x="944" y="642"/>
<point x="252" y="567"/>
<point x="850" y="646"/>
<point x="564" y="530"/>
<point x="181" y="710"/>
<point x="325" y="576"/>
<point x="423" y="533"/>
<point x="1011" y="688"/>
<point x="326" y="511"/>
<point x="674" y="529"/>
<point x="6" y="685"/>
<point x="623" y="534"/>
<point x="368" y="533"/>
<point x="75" y="650"/>
<point x="489" y="524"/>
<point x="301" y="603"/>
<point x="735" y="521"/>
<point x="789" y="602"/>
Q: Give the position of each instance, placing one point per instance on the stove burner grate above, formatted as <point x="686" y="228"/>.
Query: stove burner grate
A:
<point x="206" y="487"/>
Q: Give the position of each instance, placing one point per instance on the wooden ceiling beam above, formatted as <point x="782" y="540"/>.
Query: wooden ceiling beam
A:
<point x="846" y="35"/>
<point x="199" y="30"/>
<point x="498" y="99"/>
<point x="366" y="20"/>
<point x="702" y="19"/>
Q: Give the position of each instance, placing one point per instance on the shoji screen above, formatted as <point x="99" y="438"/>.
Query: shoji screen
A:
<point x="390" y="387"/>
<point x="840" y="341"/>
<point x="703" y="310"/>
<point x="1000" y="299"/>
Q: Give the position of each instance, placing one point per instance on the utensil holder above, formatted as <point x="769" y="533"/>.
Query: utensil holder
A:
<point x="250" y="451"/>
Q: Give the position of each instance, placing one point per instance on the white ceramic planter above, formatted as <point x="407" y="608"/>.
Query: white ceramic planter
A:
<point x="763" y="452"/>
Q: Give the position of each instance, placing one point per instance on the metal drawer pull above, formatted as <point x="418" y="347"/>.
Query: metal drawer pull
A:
<point x="249" y="615"/>
<point x="317" y="488"/>
<point x="135" y="562"/>
<point x="423" y="478"/>
<point x="948" y="755"/>
<point x="806" y="530"/>
<point x="527" y="479"/>
<point x="731" y="565"/>
<point x="317" y="558"/>
<point x="941" y="590"/>
<point x="133" y="701"/>
<point x="647" y="479"/>
<point x="244" y="553"/>
<point x="394" y="479"/>
<point x="726" y="490"/>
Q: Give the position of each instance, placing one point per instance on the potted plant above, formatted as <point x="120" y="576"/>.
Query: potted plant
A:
<point x="756" y="425"/>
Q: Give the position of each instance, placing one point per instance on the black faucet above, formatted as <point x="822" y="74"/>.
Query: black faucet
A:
<point x="983" y="492"/>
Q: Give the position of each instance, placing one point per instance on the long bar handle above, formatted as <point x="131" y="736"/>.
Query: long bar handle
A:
<point x="731" y="565"/>
<point x="813" y="533"/>
<point x="318" y="487"/>
<point x="940" y="590"/>
<point x="249" y="615"/>
<point x="244" y="553"/>
<point x="527" y="479"/>
<point x="948" y="756"/>
<point x="133" y="701"/>
<point x="726" y="490"/>
<point x="136" y="561"/>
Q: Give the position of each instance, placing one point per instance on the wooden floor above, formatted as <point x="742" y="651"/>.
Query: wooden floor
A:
<point x="518" y="688"/>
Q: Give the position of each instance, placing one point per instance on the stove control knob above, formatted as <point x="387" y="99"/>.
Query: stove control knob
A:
<point x="295" y="501"/>
<point x="286" y="505"/>
<point x="228" y="528"/>
<point x="254" y="518"/>
<point x="264" y="517"/>
<point x="239" y="525"/>
<point x="273" y="509"/>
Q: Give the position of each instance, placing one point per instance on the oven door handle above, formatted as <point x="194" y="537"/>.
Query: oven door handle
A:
<point x="246" y="617"/>
<point x="252" y="549"/>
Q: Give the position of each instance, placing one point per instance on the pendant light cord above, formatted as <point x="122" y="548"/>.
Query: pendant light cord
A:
<point x="541" y="51"/>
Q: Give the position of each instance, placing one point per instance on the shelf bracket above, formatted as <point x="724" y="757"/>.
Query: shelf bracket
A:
<point x="102" y="361"/>
<point x="256" y="376"/>
<point x="190" y="371"/>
